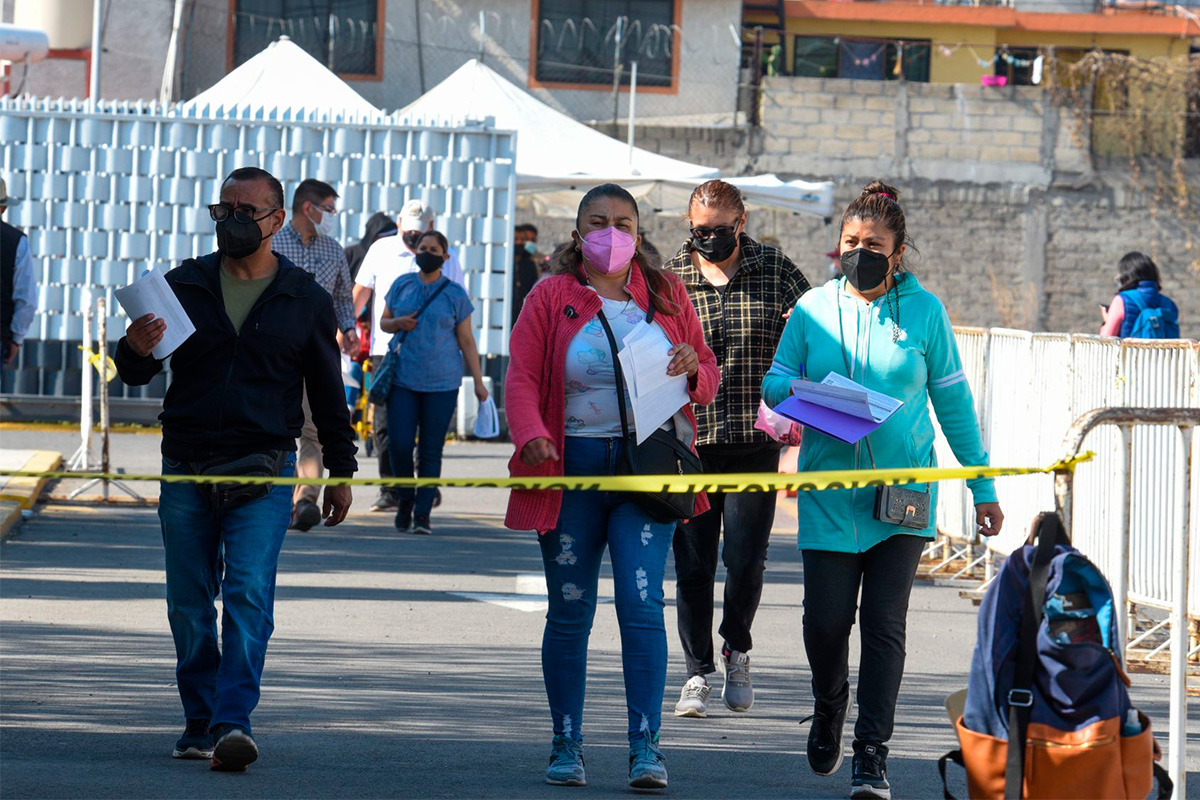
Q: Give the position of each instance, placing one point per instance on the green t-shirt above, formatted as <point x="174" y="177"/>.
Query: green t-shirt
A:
<point x="240" y="295"/>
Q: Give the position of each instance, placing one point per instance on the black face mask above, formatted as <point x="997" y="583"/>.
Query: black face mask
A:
<point x="865" y="269"/>
<point x="718" y="247"/>
<point x="429" y="262"/>
<point x="238" y="240"/>
<point x="411" y="238"/>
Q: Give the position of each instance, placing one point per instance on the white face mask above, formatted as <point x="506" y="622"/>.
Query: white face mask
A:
<point x="328" y="225"/>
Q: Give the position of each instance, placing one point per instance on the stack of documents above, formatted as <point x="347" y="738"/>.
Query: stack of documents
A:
<point x="838" y="407"/>
<point x="151" y="294"/>
<point x="654" y="394"/>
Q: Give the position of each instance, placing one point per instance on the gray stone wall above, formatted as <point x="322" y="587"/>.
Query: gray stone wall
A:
<point x="1015" y="224"/>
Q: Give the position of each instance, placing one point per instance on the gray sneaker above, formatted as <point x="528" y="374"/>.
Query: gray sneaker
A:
<point x="566" y="763"/>
<point x="693" y="700"/>
<point x="738" y="693"/>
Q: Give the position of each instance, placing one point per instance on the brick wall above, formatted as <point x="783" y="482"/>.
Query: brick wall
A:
<point x="1015" y="224"/>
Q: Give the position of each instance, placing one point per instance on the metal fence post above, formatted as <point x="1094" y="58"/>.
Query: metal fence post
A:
<point x="1177" y="740"/>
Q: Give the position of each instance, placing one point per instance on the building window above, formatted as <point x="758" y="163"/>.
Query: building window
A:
<point x="341" y="34"/>
<point x="863" y="59"/>
<point x="577" y="41"/>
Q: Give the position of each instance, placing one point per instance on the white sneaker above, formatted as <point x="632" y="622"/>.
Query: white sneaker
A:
<point x="693" y="700"/>
<point x="738" y="692"/>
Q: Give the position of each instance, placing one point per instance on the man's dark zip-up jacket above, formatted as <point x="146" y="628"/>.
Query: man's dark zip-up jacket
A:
<point x="236" y="393"/>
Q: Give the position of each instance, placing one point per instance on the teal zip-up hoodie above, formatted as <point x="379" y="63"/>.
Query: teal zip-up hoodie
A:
<point x="922" y="366"/>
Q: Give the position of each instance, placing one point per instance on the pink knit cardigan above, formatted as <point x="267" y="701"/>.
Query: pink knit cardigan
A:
<point x="535" y="400"/>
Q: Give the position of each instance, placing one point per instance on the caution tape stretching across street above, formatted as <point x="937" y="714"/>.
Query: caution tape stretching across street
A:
<point x="733" y="482"/>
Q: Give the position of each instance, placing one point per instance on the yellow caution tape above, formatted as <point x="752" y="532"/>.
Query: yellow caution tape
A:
<point x="110" y="367"/>
<point x="734" y="482"/>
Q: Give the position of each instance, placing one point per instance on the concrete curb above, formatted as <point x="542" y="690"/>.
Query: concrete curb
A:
<point x="20" y="494"/>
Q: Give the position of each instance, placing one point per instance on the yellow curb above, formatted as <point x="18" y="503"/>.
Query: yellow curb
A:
<point x="10" y="517"/>
<point x="25" y="491"/>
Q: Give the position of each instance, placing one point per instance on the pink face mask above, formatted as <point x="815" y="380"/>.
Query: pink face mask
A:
<point x="609" y="250"/>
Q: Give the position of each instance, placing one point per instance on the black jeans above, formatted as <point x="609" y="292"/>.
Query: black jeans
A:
<point x="831" y="585"/>
<point x="747" y="518"/>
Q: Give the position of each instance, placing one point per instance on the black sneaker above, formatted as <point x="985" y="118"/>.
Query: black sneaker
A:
<point x="196" y="742"/>
<point x="404" y="517"/>
<point x="421" y="525"/>
<point x="234" y="752"/>
<point x="825" y="753"/>
<point x="305" y="515"/>
<point x="870" y="772"/>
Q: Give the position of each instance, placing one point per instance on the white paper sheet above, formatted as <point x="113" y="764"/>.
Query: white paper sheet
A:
<point x="882" y="405"/>
<point x="151" y="294"/>
<point x="847" y="401"/>
<point x="654" y="395"/>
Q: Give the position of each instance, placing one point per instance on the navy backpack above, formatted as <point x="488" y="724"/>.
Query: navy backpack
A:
<point x="1047" y="712"/>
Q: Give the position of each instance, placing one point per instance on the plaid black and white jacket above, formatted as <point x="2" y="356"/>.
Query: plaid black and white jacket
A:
<point x="743" y="321"/>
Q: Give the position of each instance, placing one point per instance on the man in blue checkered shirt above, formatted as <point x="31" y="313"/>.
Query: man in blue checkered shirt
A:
<point x="308" y="242"/>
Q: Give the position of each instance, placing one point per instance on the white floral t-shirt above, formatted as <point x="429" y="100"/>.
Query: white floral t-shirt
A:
<point x="591" y="385"/>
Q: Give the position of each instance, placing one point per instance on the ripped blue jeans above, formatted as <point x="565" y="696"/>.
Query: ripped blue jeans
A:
<point x="572" y="553"/>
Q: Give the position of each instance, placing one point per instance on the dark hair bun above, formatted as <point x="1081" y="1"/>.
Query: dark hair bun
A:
<point x="879" y="187"/>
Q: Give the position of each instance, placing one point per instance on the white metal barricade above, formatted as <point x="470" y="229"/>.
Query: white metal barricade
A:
<point x="1158" y="544"/>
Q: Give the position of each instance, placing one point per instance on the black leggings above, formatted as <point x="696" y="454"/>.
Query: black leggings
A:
<point x="831" y="586"/>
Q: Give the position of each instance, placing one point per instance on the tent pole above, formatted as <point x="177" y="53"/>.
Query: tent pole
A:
<point x="632" y="107"/>
<point x="617" y="75"/>
<point x="420" y="49"/>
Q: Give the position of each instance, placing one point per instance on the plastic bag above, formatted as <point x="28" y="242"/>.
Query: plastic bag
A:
<point x="487" y="421"/>
<point x="777" y="426"/>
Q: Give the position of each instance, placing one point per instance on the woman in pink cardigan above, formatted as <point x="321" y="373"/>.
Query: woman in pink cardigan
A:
<point x="563" y="415"/>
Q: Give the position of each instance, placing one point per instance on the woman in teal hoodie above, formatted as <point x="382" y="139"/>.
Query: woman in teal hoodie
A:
<point x="878" y="326"/>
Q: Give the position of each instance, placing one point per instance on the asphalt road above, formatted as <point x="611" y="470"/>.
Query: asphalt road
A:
<point x="407" y="666"/>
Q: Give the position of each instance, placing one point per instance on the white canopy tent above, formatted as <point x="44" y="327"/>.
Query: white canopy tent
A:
<point x="558" y="157"/>
<point x="283" y="77"/>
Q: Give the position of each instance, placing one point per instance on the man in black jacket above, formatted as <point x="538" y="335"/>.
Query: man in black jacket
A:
<point x="264" y="331"/>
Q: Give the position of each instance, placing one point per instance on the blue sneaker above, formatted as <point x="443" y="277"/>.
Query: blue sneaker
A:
<point x="566" y="763"/>
<point x="647" y="767"/>
<point x="196" y="742"/>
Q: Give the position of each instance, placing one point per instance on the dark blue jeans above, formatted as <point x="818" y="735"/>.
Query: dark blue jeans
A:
<point x="235" y="553"/>
<point x="572" y="552"/>
<point x="408" y="413"/>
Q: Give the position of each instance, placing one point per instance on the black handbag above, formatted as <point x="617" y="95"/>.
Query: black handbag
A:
<point x="660" y="454"/>
<point x="902" y="507"/>
<point x="225" y="496"/>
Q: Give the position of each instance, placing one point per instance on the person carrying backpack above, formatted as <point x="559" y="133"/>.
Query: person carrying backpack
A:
<point x="1140" y="310"/>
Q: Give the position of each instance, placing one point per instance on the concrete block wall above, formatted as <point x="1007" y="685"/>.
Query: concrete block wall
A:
<point x="998" y="255"/>
<point x="916" y="130"/>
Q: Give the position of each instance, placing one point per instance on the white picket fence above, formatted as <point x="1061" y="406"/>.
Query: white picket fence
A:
<point x="1029" y="388"/>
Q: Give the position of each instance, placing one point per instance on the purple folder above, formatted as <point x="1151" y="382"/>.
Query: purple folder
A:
<point x="844" y="427"/>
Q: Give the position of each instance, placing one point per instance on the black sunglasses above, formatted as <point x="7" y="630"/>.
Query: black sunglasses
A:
<point x="243" y="214"/>
<point x="701" y="232"/>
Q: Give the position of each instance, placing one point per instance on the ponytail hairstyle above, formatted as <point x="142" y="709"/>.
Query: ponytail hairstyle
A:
<point x="880" y="202"/>
<point x="567" y="258"/>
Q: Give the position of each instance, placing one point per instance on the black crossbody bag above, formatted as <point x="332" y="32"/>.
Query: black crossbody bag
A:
<point x="660" y="454"/>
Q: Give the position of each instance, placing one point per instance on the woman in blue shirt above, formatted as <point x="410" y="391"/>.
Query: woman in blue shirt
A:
<point x="878" y="326"/>
<point x="433" y="343"/>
